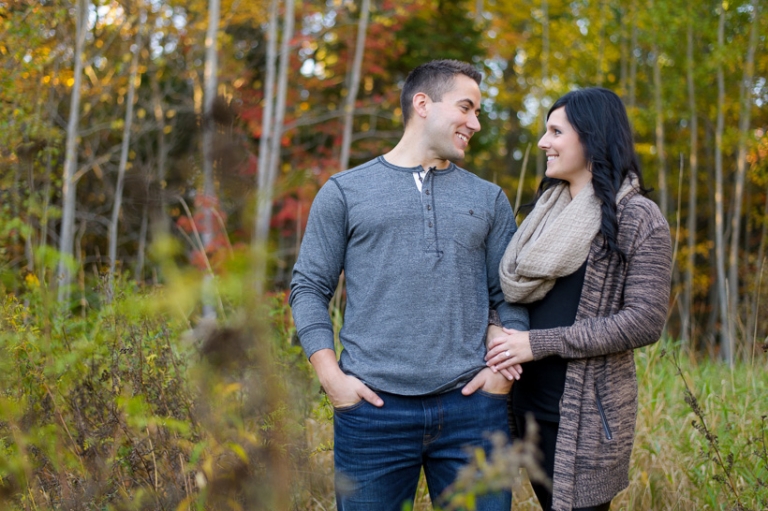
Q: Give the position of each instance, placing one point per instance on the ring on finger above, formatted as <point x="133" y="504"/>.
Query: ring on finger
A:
<point x="506" y="354"/>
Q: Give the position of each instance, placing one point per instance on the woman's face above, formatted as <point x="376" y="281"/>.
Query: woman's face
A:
<point x="565" y="154"/>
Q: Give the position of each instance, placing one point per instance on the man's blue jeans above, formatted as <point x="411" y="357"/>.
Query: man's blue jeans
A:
<point x="379" y="452"/>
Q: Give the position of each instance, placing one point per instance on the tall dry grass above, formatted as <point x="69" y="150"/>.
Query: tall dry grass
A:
<point x="674" y="465"/>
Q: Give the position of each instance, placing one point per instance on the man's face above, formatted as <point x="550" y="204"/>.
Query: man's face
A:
<point x="452" y="121"/>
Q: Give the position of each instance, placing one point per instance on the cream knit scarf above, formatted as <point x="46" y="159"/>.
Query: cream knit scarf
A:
<point x="553" y="241"/>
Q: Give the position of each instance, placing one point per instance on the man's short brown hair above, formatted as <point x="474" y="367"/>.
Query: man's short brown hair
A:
<point x="434" y="79"/>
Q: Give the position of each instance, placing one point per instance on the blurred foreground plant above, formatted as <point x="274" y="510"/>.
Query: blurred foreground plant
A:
<point x="123" y="406"/>
<point x="501" y="471"/>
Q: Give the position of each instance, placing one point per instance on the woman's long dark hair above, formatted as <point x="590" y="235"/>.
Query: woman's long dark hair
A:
<point x="601" y="121"/>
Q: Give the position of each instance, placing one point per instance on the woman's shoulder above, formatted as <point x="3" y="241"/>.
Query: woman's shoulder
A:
<point x="638" y="207"/>
<point x="640" y="217"/>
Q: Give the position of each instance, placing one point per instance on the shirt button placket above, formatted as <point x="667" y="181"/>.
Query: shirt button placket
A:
<point x="429" y="212"/>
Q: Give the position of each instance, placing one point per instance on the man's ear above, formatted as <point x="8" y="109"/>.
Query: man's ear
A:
<point x="420" y="102"/>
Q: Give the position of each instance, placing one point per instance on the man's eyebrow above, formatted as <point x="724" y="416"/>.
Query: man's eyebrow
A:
<point x="471" y="103"/>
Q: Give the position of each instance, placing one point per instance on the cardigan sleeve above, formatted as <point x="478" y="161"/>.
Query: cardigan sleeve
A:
<point x="642" y="312"/>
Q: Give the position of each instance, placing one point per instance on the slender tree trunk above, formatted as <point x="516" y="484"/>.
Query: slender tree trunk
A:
<point x="354" y="85"/>
<point x="726" y="333"/>
<point x="29" y="241"/>
<point x="126" y="144"/>
<point x="161" y="222"/>
<point x="142" y="248"/>
<point x="261" y="230"/>
<point x="210" y="83"/>
<point x="266" y="192"/>
<point x="603" y="19"/>
<point x="269" y="102"/>
<point x="66" y="236"/>
<point x="741" y="171"/>
<point x="625" y="54"/>
<point x="661" y="157"/>
<point x="752" y="323"/>
<point x="16" y="207"/>
<point x="479" y="9"/>
<point x="687" y="319"/>
<point x="542" y="122"/>
<point x="633" y="60"/>
<point x="44" y="218"/>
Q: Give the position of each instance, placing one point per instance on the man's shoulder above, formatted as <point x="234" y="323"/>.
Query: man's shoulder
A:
<point x="363" y="171"/>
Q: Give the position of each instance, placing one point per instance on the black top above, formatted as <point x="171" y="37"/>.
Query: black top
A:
<point x="541" y="386"/>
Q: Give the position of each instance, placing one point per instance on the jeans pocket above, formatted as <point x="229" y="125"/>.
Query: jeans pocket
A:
<point x="349" y="408"/>
<point x="492" y="395"/>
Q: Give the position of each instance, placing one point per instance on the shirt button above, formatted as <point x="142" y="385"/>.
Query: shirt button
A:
<point x="429" y="208"/>
<point x="471" y="212"/>
<point x="427" y="192"/>
<point x="430" y="224"/>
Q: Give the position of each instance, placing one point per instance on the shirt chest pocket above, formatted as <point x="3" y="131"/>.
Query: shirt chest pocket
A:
<point x="470" y="229"/>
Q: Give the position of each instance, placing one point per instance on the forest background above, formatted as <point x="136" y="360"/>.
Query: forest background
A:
<point x="158" y="162"/>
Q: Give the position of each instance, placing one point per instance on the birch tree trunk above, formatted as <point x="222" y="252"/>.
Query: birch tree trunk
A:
<point x="209" y="96"/>
<point x="161" y="222"/>
<point x="603" y="18"/>
<point x="625" y="54"/>
<point x="261" y="228"/>
<point x="633" y="61"/>
<point x="269" y="102"/>
<point x="479" y="10"/>
<point x="741" y="170"/>
<point x="659" y="106"/>
<point x="69" y="184"/>
<point x="126" y="143"/>
<point x="726" y="337"/>
<point x="266" y="192"/>
<point x="687" y="319"/>
<point x="542" y="122"/>
<point x="354" y="85"/>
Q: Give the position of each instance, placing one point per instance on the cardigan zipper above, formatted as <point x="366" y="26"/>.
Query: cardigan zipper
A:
<point x="600" y="410"/>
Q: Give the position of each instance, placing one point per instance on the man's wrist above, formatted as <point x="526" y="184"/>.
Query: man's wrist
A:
<point x="326" y="366"/>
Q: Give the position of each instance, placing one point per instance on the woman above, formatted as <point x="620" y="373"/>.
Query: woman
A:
<point x="592" y="261"/>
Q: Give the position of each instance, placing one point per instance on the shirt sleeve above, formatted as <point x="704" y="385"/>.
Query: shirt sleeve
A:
<point x="502" y="230"/>
<point x="640" y="319"/>
<point x="317" y="269"/>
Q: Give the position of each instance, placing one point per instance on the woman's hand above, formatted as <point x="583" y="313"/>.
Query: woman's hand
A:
<point x="511" y="373"/>
<point x="507" y="350"/>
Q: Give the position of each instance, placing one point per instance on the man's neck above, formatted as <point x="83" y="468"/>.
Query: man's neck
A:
<point x="409" y="153"/>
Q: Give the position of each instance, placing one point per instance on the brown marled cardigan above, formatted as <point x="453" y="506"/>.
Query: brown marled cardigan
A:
<point x="622" y="307"/>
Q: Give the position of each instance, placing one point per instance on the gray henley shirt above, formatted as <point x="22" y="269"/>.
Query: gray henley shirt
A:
<point x="421" y="271"/>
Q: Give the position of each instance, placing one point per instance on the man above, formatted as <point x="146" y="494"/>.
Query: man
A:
<point x="419" y="240"/>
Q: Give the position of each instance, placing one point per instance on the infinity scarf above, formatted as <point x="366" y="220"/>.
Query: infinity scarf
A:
<point x="553" y="241"/>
